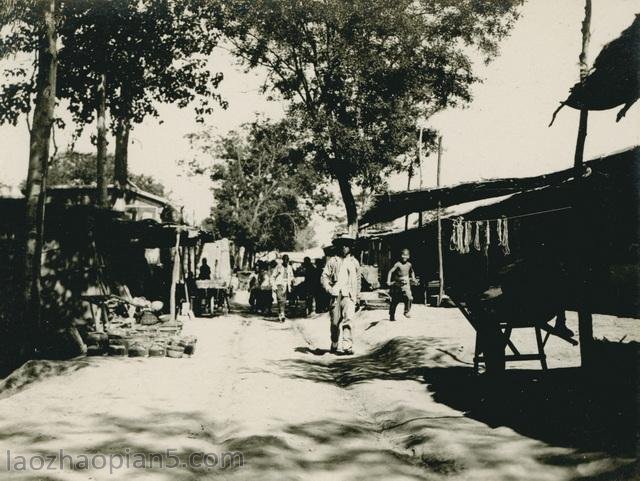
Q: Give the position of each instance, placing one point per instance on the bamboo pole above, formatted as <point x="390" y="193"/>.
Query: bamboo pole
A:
<point x="585" y="319"/>
<point x="440" y="256"/>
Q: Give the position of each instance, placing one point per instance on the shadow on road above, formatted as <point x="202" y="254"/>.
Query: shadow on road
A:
<point x="590" y="410"/>
<point x="398" y="359"/>
<point x="282" y="455"/>
<point x="594" y="413"/>
<point x="38" y="370"/>
<point x="373" y="324"/>
<point x="316" y="352"/>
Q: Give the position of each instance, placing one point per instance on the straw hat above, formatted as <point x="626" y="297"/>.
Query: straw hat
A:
<point x="343" y="240"/>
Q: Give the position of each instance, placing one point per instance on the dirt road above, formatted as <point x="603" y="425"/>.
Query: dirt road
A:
<point x="406" y="406"/>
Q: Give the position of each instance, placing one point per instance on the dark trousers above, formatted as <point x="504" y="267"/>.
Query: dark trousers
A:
<point x="400" y="294"/>
<point x="263" y="299"/>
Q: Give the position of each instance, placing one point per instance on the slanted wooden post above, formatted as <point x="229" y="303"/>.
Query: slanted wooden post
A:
<point x="175" y="276"/>
<point x="440" y="266"/>
<point x="585" y="319"/>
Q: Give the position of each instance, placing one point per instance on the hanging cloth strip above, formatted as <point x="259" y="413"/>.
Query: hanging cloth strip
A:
<point x="453" y="242"/>
<point x="465" y="234"/>
<point x="503" y="235"/>
<point x="457" y="236"/>
<point x="467" y="237"/>
<point x="476" y="235"/>
<point x="487" y="237"/>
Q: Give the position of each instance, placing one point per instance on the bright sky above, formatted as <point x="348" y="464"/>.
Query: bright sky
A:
<point x="503" y="132"/>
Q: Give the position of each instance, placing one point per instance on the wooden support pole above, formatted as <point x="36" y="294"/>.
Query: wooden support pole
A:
<point x="406" y="217"/>
<point x="440" y="256"/>
<point x="175" y="276"/>
<point x="183" y="273"/>
<point x="420" y="170"/>
<point x="585" y="319"/>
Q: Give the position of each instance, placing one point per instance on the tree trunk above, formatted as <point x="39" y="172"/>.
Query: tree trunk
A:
<point x="36" y="179"/>
<point x="101" y="160"/>
<point x="349" y="204"/>
<point x="121" y="167"/>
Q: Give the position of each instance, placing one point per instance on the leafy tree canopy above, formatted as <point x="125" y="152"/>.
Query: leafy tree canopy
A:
<point x="151" y="51"/>
<point x="359" y="74"/>
<point x="265" y="189"/>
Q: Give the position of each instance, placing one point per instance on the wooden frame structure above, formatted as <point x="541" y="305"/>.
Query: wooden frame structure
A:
<point x="504" y="341"/>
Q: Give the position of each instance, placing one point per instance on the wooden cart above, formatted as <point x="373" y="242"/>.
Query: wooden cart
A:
<point x="210" y="295"/>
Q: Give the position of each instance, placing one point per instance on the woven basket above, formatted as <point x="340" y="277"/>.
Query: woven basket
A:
<point x="95" y="350"/>
<point x="97" y="338"/>
<point x="157" y="351"/>
<point x="136" y="350"/>
<point x="118" y="350"/>
<point x="175" y="352"/>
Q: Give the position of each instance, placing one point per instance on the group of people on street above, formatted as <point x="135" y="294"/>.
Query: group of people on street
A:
<point x="337" y="284"/>
<point x="275" y="279"/>
<point x="272" y="278"/>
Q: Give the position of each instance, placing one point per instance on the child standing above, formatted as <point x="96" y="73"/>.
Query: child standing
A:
<point x="399" y="280"/>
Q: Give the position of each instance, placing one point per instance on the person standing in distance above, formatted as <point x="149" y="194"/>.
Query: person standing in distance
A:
<point x="283" y="282"/>
<point x="400" y="278"/>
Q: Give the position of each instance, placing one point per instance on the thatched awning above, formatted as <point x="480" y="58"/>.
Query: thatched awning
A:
<point x="151" y="234"/>
<point x="388" y="207"/>
<point x="391" y="206"/>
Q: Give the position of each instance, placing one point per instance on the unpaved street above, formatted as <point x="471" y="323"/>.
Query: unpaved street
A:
<point x="406" y="406"/>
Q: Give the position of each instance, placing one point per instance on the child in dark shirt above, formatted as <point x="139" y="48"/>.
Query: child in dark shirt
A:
<point x="399" y="280"/>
